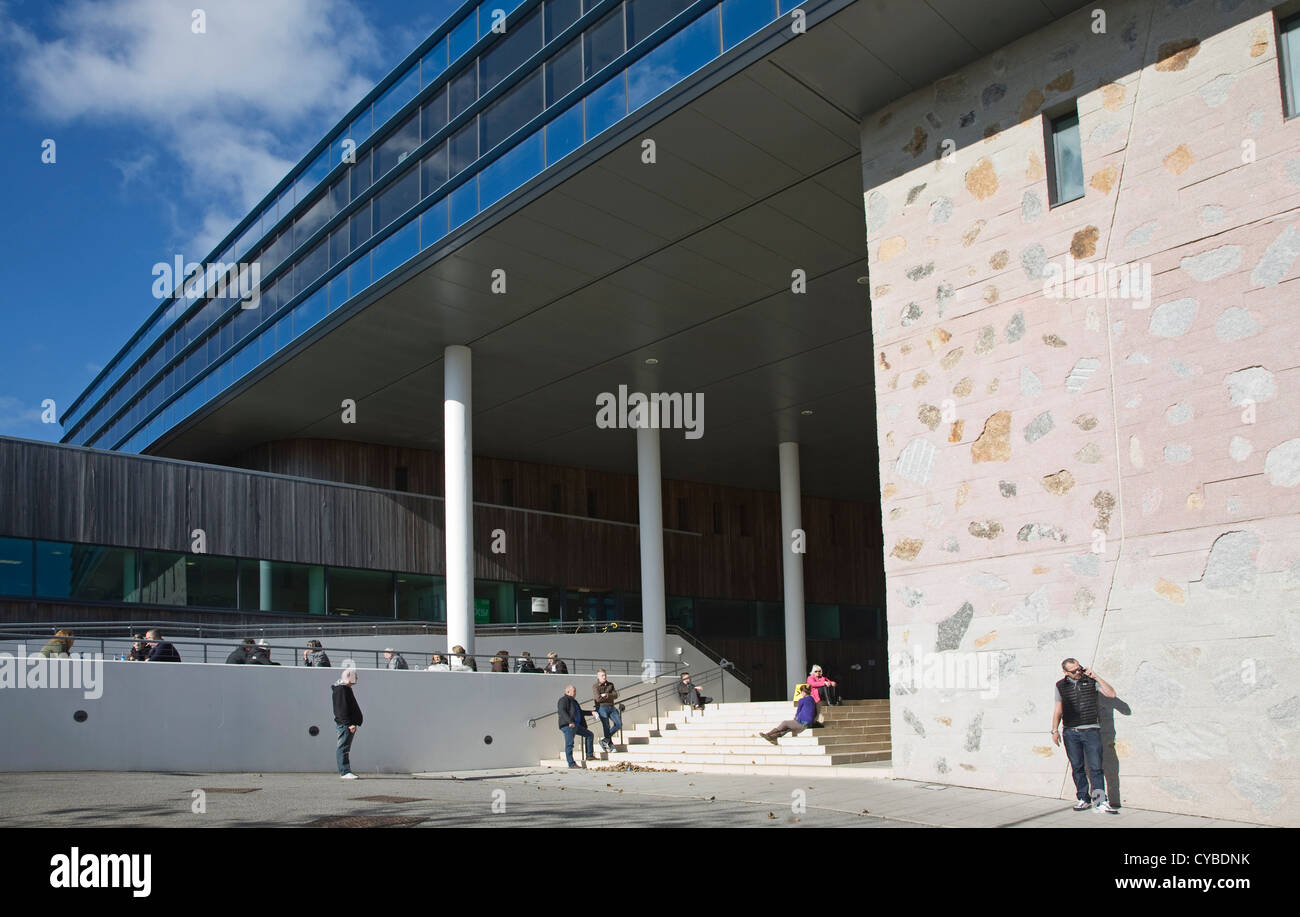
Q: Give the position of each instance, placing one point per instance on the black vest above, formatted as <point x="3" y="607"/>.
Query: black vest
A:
<point x="1079" y="702"/>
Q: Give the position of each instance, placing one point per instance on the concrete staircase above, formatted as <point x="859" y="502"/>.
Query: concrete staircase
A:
<point x="723" y="738"/>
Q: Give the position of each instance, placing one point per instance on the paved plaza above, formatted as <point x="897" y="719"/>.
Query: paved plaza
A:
<point x="525" y="797"/>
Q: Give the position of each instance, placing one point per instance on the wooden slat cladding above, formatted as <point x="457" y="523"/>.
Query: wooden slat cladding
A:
<point x="69" y="494"/>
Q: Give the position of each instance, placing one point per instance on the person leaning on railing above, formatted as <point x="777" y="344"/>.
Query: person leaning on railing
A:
<point x="59" y="645"/>
<point x="525" y="663"/>
<point x="314" y="656"/>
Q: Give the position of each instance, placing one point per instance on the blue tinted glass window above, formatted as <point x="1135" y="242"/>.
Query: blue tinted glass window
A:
<point x="560" y="14"/>
<point x="360" y="226"/>
<point x="464" y="203"/>
<point x="606" y="106"/>
<point x="463" y="90"/>
<point x="1288" y="47"/>
<point x="359" y="275"/>
<point x="433" y="171"/>
<point x="1067" y="159"/>
<point x="340" y="193"/>
<point x="360" y="175"/>
<point x="397" y="249"/>
<point x="338" y="290"/>
<point x="564" y="134"/>
<point x="742" y="18"/>
<point x="512" y="170"/>
<point x="312" y="265"/>
<point x="564" y="71"/>
<point x="83" y="571"/>
<point x="397" y="198"/>
<point x="397" y="146"/>
<point x="603" y="42"/>
<point x="309" y="312"/>
<point x="463" y="36"/>
<point x="283" y="332"/>
<point x="361" y="126"/>
<point x="433" y="224"/>
<point x="644" y="16"/>
<point x="433" y="116"/>
<point x="520" y="42"/>
<point x="318" y="169"/>
<point x="674" y="60"/>
<point x="276" y="252"/>
<point x="512" y="111"/>
<point x="339" y="245"/>
<point x="397" y="95"/>
<point x="463" y="148"/>
<point x="15" y="566"/>
<point x="313" y="218"/>
<point x="434" y="63"/>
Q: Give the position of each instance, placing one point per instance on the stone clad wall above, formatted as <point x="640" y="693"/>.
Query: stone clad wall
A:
<point x="1066" y="473"/>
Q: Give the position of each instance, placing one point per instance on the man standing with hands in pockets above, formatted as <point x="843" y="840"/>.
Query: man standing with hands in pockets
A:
<point x="347" y="717"/>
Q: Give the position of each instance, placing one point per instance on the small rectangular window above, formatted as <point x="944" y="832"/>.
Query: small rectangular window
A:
<point x="507" y="492"/>
<point x="557" y="499"/>
<point x="560" y="14"/>
<point x="603" y="42"/>
<point x="1064" y="157"/>
<point x="1288" y="56"/>
<point x="681" y="513"/>
<point x="401" y="478"/>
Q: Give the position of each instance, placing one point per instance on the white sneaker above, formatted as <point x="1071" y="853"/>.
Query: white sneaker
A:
<point x="1105" y="808"/>
<point x="349" y="776"/>
<point x="1081" y="804"/>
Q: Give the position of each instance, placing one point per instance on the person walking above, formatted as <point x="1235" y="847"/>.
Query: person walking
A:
<point x="1076" y="704"/>
<point x="604" y="695"/>
<point x="347" y="719"/>
<point x="804" y="715"/>
<point x="573" y="721"/>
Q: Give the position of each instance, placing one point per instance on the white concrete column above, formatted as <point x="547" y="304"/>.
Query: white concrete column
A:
<point x="796" y="651"/>
<point x="459" y="493"/>
<point x="654" y="635"/>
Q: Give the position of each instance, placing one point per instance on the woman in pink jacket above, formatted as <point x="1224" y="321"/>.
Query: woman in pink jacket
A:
<point x="823" y="689"/>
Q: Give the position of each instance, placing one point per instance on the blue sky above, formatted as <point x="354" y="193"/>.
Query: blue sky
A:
<point x="163" y="140"/>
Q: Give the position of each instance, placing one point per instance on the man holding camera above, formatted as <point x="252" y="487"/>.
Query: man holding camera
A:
<point x="1077" y="704"/>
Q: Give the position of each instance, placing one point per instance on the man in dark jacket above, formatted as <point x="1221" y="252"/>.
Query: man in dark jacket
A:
<point x="347" y="717"/>
<point x="690" y="694"/>
<point x="526" y="663"/>
<point x="260" y="654"/>
<point x="159" y="649"/>
<point x="1076" y="703"/>
<point x="573" y="720"/>
<point x="395" y="660"/>
<point x="313" y="656"/>
<point x="604" y="694"/>
<point x="240" y="654"/>
<point x="555" y="665"/>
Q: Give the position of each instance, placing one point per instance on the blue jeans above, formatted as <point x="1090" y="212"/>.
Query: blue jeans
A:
<point x="610" y="719"/>
<point x="588" y="741"/>
<point x="345" y="746"/>
<point x="1081" y="744"/>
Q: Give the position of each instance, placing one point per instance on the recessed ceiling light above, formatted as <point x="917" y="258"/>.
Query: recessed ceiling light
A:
<point x="651" y="361"/>
<point x="807" y="412"/>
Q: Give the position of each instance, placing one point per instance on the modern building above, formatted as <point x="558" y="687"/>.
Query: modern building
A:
<point x="1080" y="244"/>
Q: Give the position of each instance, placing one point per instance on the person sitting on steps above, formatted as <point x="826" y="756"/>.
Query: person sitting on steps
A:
<point x="804" y="715"/>
<point x="824" y="691"/>
<point x="690" y="694"/>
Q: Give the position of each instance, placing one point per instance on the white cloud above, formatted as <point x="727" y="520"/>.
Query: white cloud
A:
<point x="235" y="107"/>
<point x="19" y="415"/>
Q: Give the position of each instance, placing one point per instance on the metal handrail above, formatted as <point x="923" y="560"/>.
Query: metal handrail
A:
<point x="629" y="666"/>
<point x="374" y="628"/>
<point x="706" y="676"/>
